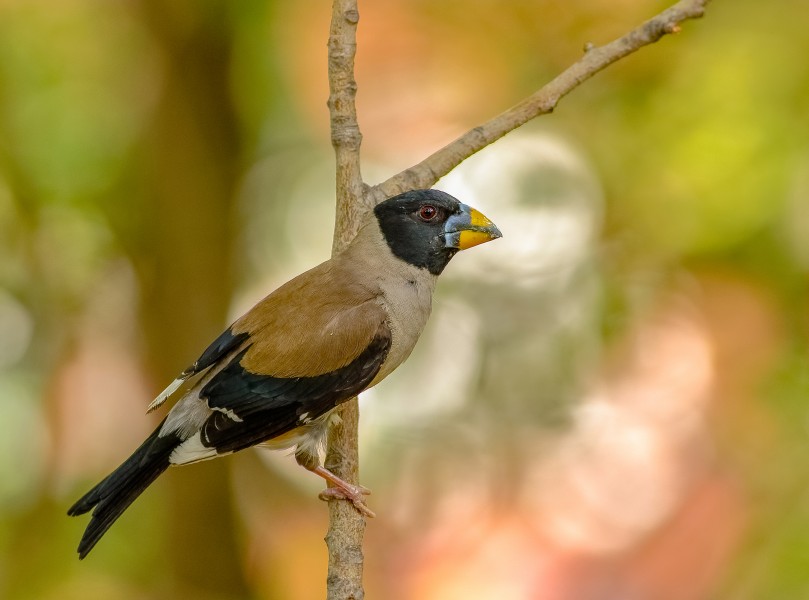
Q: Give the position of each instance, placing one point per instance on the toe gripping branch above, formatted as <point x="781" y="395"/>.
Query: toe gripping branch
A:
<point x="342" y="490"/>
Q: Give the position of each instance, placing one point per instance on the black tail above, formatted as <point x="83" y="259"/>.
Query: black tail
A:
<point x="119" y="489"/>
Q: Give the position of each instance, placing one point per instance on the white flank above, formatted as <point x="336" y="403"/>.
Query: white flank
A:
<point x="191" y="451"/>
<point x="164" y="395"/>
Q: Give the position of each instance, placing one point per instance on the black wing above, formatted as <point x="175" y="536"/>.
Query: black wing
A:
<point x="220" y="347"/>
<point x="252" y="408"/>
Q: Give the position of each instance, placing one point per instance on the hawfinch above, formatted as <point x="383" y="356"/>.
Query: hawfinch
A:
<point x="275" y="376"/>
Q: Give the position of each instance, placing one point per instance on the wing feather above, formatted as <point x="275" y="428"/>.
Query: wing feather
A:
<point x="250" y="408"/>
<point x="317" y="323"/>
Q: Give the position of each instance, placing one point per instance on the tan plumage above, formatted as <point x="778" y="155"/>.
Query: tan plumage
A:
<point x="316" y="323"/>
<point x="276" y="375"/>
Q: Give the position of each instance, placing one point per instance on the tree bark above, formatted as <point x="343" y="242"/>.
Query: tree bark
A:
<point x="346" y="525"/>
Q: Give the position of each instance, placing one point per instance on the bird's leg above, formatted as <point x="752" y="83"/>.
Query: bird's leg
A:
<point x="307" y="456"/>
<point x="339" y="488"/>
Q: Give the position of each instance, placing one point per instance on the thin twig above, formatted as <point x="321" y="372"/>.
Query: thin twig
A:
<point x="346" y="525"/>
<point x="543" y="101"/>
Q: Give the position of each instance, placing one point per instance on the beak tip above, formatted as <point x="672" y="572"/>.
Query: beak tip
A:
<point x="471" y="228"/>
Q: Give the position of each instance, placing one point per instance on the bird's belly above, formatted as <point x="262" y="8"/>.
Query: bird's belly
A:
<point x="285" y="440"/>
<point x="309" y="438"/>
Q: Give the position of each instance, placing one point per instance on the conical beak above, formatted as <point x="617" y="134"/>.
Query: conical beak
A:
<point x="469" y="228"/>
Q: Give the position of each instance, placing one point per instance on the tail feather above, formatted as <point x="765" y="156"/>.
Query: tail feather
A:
<point x="113" y="495"/>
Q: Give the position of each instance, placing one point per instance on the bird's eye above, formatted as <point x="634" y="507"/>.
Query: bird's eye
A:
<point x="428" y="212"/>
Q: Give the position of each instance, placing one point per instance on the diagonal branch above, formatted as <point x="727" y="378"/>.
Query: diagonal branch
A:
<point x="543" y="101"/>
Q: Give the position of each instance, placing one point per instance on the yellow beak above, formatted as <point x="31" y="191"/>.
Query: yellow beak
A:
<point x="469" y="228"/>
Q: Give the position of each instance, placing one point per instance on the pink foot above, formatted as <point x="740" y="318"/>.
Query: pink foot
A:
<point x="342" y="490"/>
<point x="354" y="495"/>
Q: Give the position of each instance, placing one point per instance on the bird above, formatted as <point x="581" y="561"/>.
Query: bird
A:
<point x="275" y="376"/>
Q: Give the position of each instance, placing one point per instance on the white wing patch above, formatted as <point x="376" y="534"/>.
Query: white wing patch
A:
<point x="228" y="413"/>
<point x="191" y="451"/>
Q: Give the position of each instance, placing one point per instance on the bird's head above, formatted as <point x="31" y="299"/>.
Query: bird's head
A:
<point x="426" y="228"/>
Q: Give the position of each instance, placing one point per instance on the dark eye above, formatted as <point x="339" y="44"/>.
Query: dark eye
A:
<point x="428" y="212"/>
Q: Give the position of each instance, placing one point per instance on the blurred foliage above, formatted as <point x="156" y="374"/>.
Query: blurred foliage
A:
<point x="165" y="164"/>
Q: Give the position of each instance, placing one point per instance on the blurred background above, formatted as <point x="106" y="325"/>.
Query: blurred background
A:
<point x="621" y="411"/>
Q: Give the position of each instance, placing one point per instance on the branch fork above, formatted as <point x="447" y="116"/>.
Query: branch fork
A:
<point x="354" y="197"/>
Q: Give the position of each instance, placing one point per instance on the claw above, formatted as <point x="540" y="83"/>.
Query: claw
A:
<point x="354" y="496"/>
<point x="342" y="490"/>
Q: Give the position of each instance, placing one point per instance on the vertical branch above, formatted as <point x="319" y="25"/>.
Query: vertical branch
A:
<point x="345" y="132"/>
<point x="346" y="525"/>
